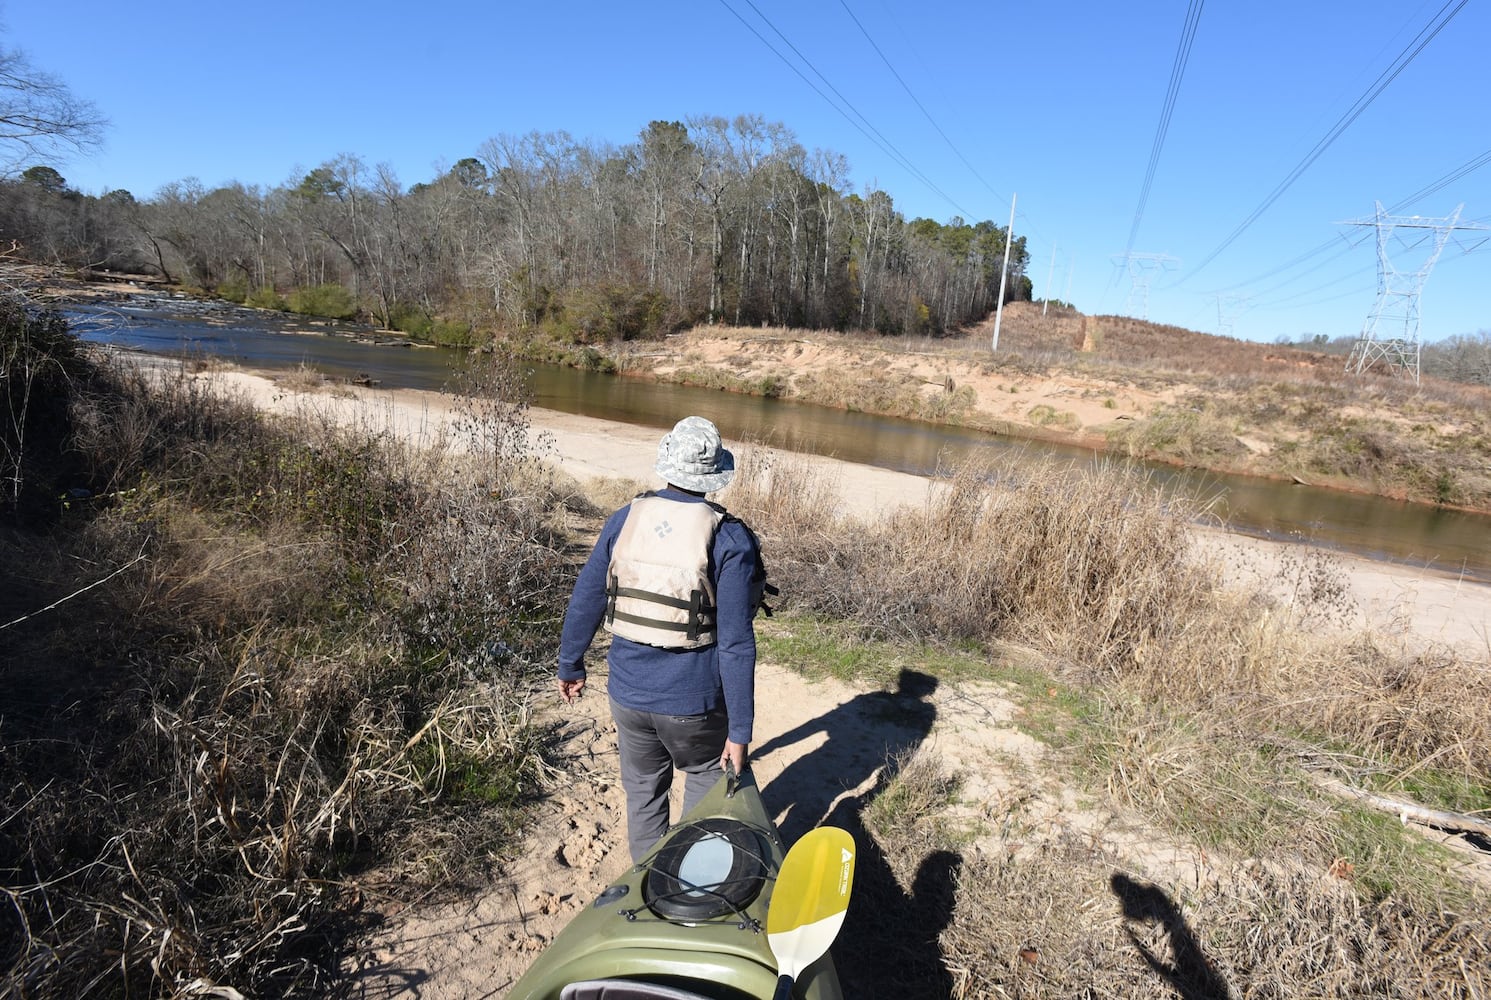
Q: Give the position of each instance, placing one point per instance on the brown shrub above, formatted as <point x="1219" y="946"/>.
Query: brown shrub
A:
<point x="1095" y="565"/>
<point x="289" y="654"/>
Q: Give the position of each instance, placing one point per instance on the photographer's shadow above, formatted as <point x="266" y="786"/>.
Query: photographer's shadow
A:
<point x="1190" y="973"/>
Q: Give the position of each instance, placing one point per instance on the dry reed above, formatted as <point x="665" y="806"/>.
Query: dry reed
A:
<point x="1099" y="572"/>
<point x="308" y="682"/>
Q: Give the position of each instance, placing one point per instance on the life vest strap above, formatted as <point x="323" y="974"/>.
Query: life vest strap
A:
<point x="692" y="605"/>
<point x="689" y="627"/>
<point x="701" y="615"/>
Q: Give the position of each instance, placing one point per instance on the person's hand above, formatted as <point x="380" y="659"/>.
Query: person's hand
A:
<point x="735" y="755"/>
<point x="570" y="690"/>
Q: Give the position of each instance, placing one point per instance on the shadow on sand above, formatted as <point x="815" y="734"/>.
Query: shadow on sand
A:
<point x="888" y="945"/>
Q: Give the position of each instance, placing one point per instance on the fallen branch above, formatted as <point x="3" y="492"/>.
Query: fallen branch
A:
<point x="1405" y="811"/>
<point x="82" y="590"/>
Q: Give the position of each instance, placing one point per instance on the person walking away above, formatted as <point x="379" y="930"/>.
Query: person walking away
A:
<point x="677" y="581"/>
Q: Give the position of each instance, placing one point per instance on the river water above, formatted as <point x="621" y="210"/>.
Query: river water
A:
<point x="1411" y="534"/>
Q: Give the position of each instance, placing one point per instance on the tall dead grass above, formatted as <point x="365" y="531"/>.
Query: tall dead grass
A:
<point x="1093" y="564"/>
<point x="1098" y="567"/>
<point x="289" y="669"/>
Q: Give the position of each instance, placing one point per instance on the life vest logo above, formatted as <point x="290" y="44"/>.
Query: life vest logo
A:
<point x="663" y="529"/>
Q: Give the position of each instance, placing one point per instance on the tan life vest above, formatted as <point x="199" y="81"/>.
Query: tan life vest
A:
<point x="658" y="590"/>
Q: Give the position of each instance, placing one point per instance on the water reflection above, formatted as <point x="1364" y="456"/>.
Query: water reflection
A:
<point x="267" y="340"/>
<point x="1413" y="534"/>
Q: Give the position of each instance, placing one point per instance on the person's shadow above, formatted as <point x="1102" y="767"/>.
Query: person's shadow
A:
<point x="1191" y="974"/>
<point x="888" y="945"/>
<point x="862" y="735"/>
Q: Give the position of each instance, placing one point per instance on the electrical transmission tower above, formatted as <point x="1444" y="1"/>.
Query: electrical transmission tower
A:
<point x="1391" y="332"/>
<point x="1142" y="268"/>
<point x="1229" y="307"/>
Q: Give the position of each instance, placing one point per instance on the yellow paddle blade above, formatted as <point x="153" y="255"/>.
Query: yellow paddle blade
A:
<point x="810" y="897"/>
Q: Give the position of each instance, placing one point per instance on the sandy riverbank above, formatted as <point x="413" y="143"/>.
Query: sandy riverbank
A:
<point x="1419" y="605"/>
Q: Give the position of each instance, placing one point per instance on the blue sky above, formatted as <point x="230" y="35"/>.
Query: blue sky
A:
<point x="951" y="107"/>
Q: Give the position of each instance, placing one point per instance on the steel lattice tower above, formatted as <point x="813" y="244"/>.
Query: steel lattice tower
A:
<point x="1142" y="268"/>
<point x="1391" y="332"/>
<point x="1229" y="307"/>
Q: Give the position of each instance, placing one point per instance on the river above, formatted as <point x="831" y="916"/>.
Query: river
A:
<point x="1411" y="534"/>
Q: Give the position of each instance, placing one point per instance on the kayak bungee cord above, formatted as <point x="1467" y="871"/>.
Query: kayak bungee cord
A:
<point x="716" y="890"/>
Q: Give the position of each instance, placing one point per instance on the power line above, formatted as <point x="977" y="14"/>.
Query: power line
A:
<point x="1421" y="40"/>
<point x="1030" y="225"/>
<point x="1177" y="72"/>
<point x="1348" y="276"/>
<point x="1470" y="166"/>
<point x="1445" y="181"/>
<point x="925" y="113"/>
<point x="1354" y="293"/>
<point x="879" y="140"/>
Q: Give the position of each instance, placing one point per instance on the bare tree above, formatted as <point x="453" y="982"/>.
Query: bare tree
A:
<point x="871" y="217"/>
<point x="718" y="218"/>
<point x="830" y="174"/>
<point x="665" y="153"/>
<point x="1463" y="358"/>
<point x="40" y="118"/>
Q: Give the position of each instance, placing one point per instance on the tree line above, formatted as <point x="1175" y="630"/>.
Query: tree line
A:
<point x="710" y="220"/>
<point x="1464" y="357"/>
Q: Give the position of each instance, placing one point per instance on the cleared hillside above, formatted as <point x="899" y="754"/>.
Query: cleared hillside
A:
<point x="1141" y="389"/>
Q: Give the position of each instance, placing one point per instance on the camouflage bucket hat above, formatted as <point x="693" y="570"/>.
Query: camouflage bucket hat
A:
<point x="692" y="456"/>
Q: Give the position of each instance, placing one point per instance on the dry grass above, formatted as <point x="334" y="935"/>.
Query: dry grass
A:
<point x="1070" y="922"/>
<point x="1208" y="714"/>
<point x="289" y="673"/>
<point x="1097" y="568"/>
<point x="301" y="378"/>
<point x="1094" y="563"/>
<point x="934" y="918"/>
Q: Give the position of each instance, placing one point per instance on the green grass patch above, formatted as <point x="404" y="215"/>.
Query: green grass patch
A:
<point x="771" y="386"/>
<point x="818" y="647"/>
<point x="329" y="301"/>
<point x="1048" y="416"/>
<point x="1437" y="790"/>
<point x="1388" y="859"/>
<point x="581" y="356"/>
<point x="1185" y="432"/>
<point x="266" y="298"/>
<point x="909" y="811"/>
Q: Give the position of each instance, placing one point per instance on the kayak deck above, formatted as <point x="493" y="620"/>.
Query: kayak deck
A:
<point x="687" y="922"/>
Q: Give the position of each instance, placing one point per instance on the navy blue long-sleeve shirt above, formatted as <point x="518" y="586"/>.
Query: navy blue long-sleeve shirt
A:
<point x="675" y="681"/>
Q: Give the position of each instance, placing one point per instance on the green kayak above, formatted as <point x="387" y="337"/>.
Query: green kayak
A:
<point x="687" y="922"/>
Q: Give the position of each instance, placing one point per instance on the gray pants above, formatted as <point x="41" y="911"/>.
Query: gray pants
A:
<point x="651" y="747"/>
